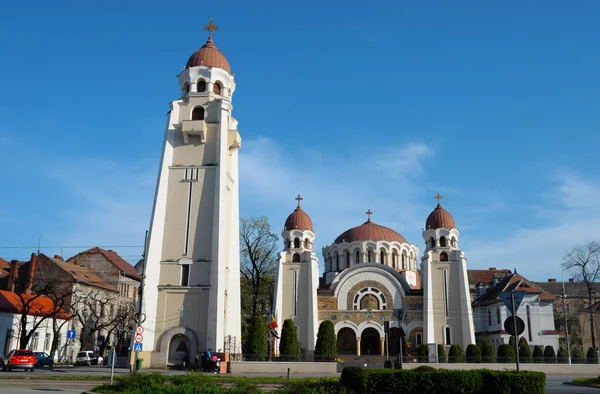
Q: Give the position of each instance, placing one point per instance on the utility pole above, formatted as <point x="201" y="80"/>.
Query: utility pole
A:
<point x="137" y="318"/>
<point x="512" y="298"/>
<point x="564" y="297"/>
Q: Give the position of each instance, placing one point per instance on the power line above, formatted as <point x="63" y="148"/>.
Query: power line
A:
<point x="71" y="247"/>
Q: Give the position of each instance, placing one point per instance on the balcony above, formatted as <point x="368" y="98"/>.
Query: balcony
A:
<point x="193" y="127"/>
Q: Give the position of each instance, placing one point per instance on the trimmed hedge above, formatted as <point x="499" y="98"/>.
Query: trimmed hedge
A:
<point x="256" y="348"/>
<point x="473" y="354"/>
<point x="506" y="354"/>
<point x="455" y="355"/>
<point x="538" y="354"/>
<point x="525" y="354"/>
<point x="326" y="347"/>
<point x="549" y="355"/>
<point x="441" y="354"/>
<point x="423" y="353"/>
<point x="487" y="351"/>
<point x="592" y="356"/>
<point x="289" y="347"/>
<point x="441" y="381"/>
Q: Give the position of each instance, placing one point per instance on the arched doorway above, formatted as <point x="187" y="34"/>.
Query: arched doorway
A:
<point x="369" y="342"/>
<point x="346" y="341"/>
<point x="179" y="348"/>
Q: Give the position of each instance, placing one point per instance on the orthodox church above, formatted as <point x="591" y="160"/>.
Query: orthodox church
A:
<point x="372" y="275"/>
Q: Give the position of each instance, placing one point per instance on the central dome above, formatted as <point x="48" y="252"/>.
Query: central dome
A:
<point x="369" y="231"/>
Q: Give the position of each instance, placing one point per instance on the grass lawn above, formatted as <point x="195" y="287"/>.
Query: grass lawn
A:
<point x="588" y="381"/>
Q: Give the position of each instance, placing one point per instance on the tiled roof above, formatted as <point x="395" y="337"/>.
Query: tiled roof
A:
<point x="209" y="55"/>
<point x="573" y="289"/>
<point x="514" y="282"/>
<point x="83" y="274"/>
<point x="439" y="218"/>
<point x="114" y="258"/>
<point x="41" y="306"/>
<point x="4" y="264"/>
<point x="298" y="220"/>
<point x="369" y="231"/>
<point x="486" y="276"/>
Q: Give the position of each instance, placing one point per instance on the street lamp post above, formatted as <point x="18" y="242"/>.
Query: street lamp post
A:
<point x="564" y="300"/>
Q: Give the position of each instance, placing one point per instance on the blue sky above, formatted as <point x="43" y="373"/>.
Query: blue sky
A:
<point x="354" y="105"/>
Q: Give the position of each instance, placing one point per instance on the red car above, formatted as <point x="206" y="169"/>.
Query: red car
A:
<point x="19" y="359"/>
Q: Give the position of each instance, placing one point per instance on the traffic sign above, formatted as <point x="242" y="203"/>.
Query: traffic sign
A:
<point x="137" y="347"/>
<point x="71" y="334"/>
<point x="509" y="325"/>
<point x="139" y="330"/>
<point x="139" y="338"/>
<point x="506" y="297"/>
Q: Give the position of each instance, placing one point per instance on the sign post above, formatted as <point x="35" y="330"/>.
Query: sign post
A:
<point x="401" y="334"/>
<point x="386" y="330"/>
<point x="112" y="365"/>
<point x="512" y="299"/>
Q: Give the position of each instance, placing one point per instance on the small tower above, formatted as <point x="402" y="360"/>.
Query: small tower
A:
<point x="297" y="278"/>
<point x="193" y="283"/>
<point x="448" y="314"/>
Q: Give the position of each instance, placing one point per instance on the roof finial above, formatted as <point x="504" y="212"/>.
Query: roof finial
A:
<point x="438" y="197"/>
<point x="211" y="27"/>
<point x="299" y="198"/>
<point x="369" y="213"/>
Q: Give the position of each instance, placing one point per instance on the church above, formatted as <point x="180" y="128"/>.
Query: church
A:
<point x="372" y="275"/>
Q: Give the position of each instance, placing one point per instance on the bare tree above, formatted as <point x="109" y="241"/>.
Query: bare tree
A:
<point x="258" y="246"/>
<point x="584" y="263"/>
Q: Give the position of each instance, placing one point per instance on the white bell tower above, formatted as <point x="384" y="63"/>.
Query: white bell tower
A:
<point x="192" y="296"/>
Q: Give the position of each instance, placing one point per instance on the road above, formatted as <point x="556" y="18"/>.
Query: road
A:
<point x="554" y="383"/>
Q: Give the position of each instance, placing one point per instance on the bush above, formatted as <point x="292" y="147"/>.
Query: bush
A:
<point x="473" y="354"/>
<point x="525" y="354"/>
<point x="487" y="351"/>
<point x="326" y="347"/>
<point x="442" y="381"/>
<point x="506" y="354"/>
<point x="256" y="348"/>
<point x="576" y="355"/>
<point x="424" y="368"/>
<point x="312" y="386"/>
<point x="441" y="354"/>
<point x="549" y="355"/>
<point x="423" y="353"/>
<point x="289" y="347"/>
<point x="455" y="354"/>
<point x="538" y="354"/>
<point x="561" y="356"/>
<point x="511" y="341"/>
<point x="592" y="356"/>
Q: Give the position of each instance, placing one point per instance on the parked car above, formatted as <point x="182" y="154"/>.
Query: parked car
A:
<point x="19" y="359"/>
<point x="43" y="359"/>
<point x="86" y="357"/>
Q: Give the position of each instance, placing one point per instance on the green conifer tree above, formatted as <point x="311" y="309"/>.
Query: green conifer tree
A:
<point x="256" y="348"/>
<point x="326" y="347"/>
<point x="289" y="347"/>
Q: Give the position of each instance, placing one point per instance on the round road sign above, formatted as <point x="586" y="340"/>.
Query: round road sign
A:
<point x="139" y="330"/>
<point x="509" y="325"/>
<point x="139" y="338"/>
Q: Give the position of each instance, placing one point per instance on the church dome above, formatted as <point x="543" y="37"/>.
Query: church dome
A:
<point x="439" y="218"/>
<point x="369" y="231"/>
<point x="209" y="55"/>
<point x="298" y="220"/>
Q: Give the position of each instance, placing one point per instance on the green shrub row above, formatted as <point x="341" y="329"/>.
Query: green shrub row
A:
<point x="440" y="381"/>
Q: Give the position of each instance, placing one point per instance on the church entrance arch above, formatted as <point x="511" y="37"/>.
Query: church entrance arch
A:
<point x="179" y="351"/>
<point x="369" y="342"/>
<point x="346" y="341"/>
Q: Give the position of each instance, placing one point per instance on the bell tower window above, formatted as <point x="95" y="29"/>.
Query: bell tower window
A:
<point x="296" y="258"/>
<point x="381" y="257"/>
<point x="369" y="256"/>
<point x="217" y="88"/>
<point x="198" y="113"/>
<point x="443" y="256"/>
<point x="357" y="257"/>
<point x="347" y="259"/>
<point x="431" y="242"/>
<point x="297" y="243"/>
<point x="443" y="242"/>
<point x="201" y="86"/>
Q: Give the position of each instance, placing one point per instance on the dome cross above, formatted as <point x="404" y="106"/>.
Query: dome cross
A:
<point x="210" y="28"/>
<point x="438" y="197"/>
<point x="299" y="198"/>
<point x="369" y="213"/>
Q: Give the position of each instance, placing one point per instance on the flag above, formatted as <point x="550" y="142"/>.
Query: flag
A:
<point x="272" y="322"/>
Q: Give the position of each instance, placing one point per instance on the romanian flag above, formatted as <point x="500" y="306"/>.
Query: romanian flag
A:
<point x="272" y="322"/>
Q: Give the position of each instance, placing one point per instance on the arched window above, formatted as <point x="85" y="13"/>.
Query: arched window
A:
<point x="217" y="87"/>
<point x="381" y="257"/>
<point x="453" y="242"/>
<point x="369" y="256"/>
<point x="529" y="324"/>
<point x="347" y="259"/>
<point x="489" y="317"/>
<point x="394" y="260"/>
<point x="498" y="318"/>
<point x="201" y="86"/>
<point x="443" y="242"/>
<point x="443" y="256"/>
<point x="337" y="261"/>
<point x="296" y="258"/>
<point x="296" y="243"/>
<point x="198" y="113"/>
<point x="357" y="257"/>
<point x="186" y="87"/>
<point x="307" y="243"/>
<point x="431" y="242"/>
<point x="403" y="260"/>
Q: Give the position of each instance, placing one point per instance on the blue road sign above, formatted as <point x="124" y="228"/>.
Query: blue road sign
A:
<point x="71" y="334"/>
<point x="137" y="347"/>
<point x="506" y="297"/>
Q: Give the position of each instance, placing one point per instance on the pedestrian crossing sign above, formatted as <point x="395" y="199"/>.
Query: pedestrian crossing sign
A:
<point x="137" y="347"/>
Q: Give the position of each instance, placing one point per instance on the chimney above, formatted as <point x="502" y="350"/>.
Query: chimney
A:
<point x="13" y="275"/>
<point x="57" y="257"/>
<point x="552" y="280"/>
<point x="31" y="272"/>
<point x="571" y="280"/>
<point x="492" y="268"/>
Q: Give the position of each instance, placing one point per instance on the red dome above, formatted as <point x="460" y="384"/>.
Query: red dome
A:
<point x="439" y="218"/>
<point x="209" y="55"/>
<point x="298" y="220"/>
<point x="369" y="231"/>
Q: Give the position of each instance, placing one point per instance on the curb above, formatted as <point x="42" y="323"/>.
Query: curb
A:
<point x="567" y="383"/>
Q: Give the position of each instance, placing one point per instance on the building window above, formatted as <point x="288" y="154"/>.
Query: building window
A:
<point x="382" y="257"/>
<point x="431" y="242"/>
<point x="394" y="260"/>
<point x="294" y="292"/>
<point x="186" y="87"/>
<point x="369" y="256"/>
<point x="34" y="341"/>
<point x="198" y="113"/>
<point x="297" y="243"/>
<point x="357" y="257"/>
<point x="419" y="339"/>
<point x="443" y="256"/>
<point x="445" y="289"/>
<point x="443" y="242"/>
<point x="8" y="341"/>
<point x="403" y="260"/>
<point x="337" y="261"/>
<point x="447" y="336"/>
<point x="296" y="258"/>
<point x="529" y="324"/>
<point x="489" y="317"/>
<point x="453" y="242"/>
<point x="306" y="243"/>
<point x="201" y="86"/>
<point x="347" y="259"/>
<point x="217" y="88"/>
<point x="498" y="318"/>
<point x="47" y="342"/>
<point x="185" y="275"/>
